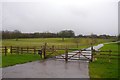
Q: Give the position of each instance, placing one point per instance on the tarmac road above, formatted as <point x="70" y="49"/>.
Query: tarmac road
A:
<point x="48" y="69"/>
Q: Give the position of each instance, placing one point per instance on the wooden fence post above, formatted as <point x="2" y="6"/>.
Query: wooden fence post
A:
<point x="21" y="50"/>
<point x="52" y="49"/>
<point x="66" y="54"/>
<point x="5" y="51"/>
<point x="44" y="50"/>
<point x="79" y="55"/>
<point x="92" y="54"/>
<point x="34" y="50"/>
<point x="11" y="49"/>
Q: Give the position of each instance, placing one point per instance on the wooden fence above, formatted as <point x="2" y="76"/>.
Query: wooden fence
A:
<point x="34" y="49"/>
<point x="30" y="50"/>
<point x="18" y="50"/>
<point x="45" y="48"/>
<point x="106" y="54"/>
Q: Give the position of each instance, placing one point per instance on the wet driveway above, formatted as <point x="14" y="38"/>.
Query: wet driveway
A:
<point x="48" y="69"/>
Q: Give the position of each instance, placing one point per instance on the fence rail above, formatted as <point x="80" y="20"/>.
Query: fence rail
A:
<point x="13" y="49"/>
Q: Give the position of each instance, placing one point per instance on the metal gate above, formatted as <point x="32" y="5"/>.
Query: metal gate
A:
<point x="76" y="55"/>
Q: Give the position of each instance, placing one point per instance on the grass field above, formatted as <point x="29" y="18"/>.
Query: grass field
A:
<point x="102" y="68"/>
<point x="50" y="41"/>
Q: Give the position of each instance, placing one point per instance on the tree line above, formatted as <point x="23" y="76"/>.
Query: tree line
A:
<point x="62" y="34"/>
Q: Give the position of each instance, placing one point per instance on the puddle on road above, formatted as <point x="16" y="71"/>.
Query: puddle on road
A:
<point x="62" y="62"/>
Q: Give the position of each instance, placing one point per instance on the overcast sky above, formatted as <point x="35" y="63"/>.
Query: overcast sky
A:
<point x="81" y="16"/>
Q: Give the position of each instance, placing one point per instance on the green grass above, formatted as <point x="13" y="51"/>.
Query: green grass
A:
<point x="102" y="68"/>
<point x="112" y="46"/>
<point x="49" y="41"/>
<point x="13" y="59"/>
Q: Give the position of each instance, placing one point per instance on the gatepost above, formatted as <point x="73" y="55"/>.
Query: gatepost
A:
<point x="66" y="55"/>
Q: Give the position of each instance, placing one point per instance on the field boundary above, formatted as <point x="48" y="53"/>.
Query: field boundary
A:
<point x="45" y="49"/>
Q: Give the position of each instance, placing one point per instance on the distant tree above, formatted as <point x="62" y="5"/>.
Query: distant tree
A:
<point x="94" y="35"/>
<point x="36" y="35"/>
<point x="66" y="34"/>
<point x="62" y="35"/>
<point x="93" y="38"/>
<point x="17" y="34"/>
<point x="6" y="34"/>
<point x="104" y="36"/>
<point x="80" y="35"/>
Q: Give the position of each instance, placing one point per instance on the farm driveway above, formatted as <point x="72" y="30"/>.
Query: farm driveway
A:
<point x="48" y="69"/>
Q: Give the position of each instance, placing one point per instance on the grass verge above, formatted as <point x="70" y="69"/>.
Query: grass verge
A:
<point x="13" y="59"/>
<point x="105" y="66"/>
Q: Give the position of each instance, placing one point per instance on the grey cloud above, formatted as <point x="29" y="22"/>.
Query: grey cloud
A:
<point x="91" y="17"/>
